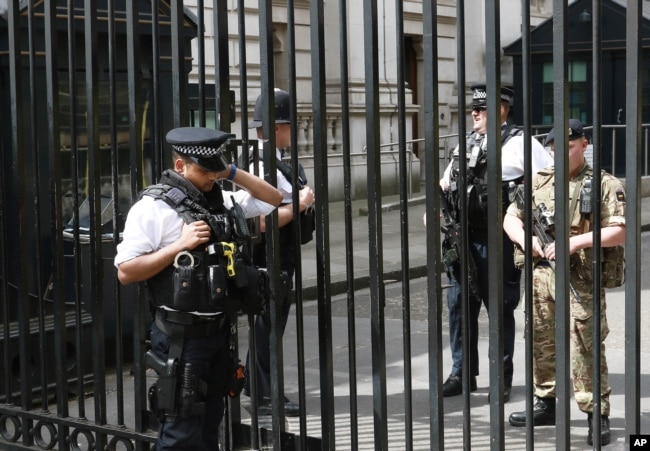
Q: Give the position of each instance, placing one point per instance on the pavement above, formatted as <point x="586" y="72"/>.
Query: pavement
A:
<point x="394" y="327"/>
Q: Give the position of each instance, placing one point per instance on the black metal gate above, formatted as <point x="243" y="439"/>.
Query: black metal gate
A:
<point x="88" y="89"/>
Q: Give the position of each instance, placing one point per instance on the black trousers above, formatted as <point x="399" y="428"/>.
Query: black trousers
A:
<point x="210" y="362"/>
<point x="511" y="295"/>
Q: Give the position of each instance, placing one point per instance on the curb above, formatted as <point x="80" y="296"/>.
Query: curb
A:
<point x="310" y="293"/>
<point x="363" y="211"/>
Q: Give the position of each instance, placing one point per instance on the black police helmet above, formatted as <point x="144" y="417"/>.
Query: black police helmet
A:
<point x="282" y="109"/>
<point x="202" y="145"/>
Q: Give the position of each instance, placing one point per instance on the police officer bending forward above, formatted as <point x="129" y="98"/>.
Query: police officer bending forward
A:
<point x="170" y="238"/>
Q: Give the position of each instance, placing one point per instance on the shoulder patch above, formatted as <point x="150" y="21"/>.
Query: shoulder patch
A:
<point x="175" y="195"/>
<point x="620" y="194"/>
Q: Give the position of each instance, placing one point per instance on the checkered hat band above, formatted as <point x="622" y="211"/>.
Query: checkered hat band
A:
<point x="480" y="94"/>
<point x="196" y="151"/>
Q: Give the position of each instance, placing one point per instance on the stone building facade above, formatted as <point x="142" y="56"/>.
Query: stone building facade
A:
<point x="447" y="70"/>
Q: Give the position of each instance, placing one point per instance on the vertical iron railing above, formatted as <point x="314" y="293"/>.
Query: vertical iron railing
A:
<point x="347" y="211"/>
<point x="321" y="188"/>
<point x="528" y="223"/>
<point x="562" y="222"/>
<point x="272" y="234"/>
<point x="37" y="203"/>
<point x="634" y="94"/>
<point x="53" y="142"/>
<point x="495" y="222"/>
<point x="17" y="142"/>
<point x="597" y="214"/>
<point x="434" y="258"/>
<point x="295" y="173"/>
<point x="404" y="190"/>
<point x="464" y="250"/>
<point x="375" y="252"/>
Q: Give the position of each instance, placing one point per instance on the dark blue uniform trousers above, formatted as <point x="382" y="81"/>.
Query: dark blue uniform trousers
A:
<point x="511" y="282"/>
<point x="210" y="361"/>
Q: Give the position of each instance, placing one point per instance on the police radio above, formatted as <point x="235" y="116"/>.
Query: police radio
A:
<point x="585" y="198"/>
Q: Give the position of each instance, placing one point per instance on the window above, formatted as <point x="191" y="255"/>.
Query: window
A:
<point x="578" y="92"/>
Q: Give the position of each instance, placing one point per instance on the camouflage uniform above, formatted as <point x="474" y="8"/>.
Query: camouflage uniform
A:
<point x="580" y="324"/>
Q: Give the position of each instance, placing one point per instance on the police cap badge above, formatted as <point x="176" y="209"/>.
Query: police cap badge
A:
<point x="479" y="94"/>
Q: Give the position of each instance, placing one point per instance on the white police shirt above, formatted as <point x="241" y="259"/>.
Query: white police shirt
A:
<point x="512" y="158"/>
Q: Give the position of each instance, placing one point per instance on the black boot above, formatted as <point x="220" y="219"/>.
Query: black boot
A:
<point x="454" y="385"/>
<point x="543" y="413"/>
<point x="605" y="434"/>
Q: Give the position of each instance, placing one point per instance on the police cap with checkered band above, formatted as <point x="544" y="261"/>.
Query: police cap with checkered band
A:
<point x="479" y="94"/>
<point x="202" y="145"/>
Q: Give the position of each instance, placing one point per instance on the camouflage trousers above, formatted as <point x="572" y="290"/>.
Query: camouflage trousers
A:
<point x="580" y="336"/>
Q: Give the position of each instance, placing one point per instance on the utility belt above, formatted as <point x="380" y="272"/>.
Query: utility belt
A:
<point x="196" y="326"/>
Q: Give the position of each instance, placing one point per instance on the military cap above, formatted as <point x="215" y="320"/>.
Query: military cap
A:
<point x="282" y="109"/>
<point x="202" y="145"/>
<point x="479" y="94"/>
<point x="575" y="131"/>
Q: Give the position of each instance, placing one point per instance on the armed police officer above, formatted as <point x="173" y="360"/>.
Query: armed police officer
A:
<point x="287" y="248"/>
<point x="512" y="167"/>
<point x="581" y="240"/>
<point x="180" y="237"/>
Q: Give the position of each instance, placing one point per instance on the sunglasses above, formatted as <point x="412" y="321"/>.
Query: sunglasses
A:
<point x="478" y="109"/>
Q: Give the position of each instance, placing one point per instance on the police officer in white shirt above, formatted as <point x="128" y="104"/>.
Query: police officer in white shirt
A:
<point x="512" y="168"/>
<point x="172" y="238"/>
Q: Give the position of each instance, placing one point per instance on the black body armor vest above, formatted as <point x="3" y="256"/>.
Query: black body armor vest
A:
<point x="476" y="178"/>
<point x="192" y="206"/>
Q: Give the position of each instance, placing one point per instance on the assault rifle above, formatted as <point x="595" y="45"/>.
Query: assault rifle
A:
<point x="451" y="249"/>
<point x="542" y="222"/>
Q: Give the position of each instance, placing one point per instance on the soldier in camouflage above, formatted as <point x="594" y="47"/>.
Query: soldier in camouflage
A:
<point x="612" y="225"/>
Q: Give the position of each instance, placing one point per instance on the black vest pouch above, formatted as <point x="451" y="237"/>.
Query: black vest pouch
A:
<point x="184" y="299"/>
<point x="218" y="284"/>
<point x="189" y="283"/>
<point x="477" y="205"/>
